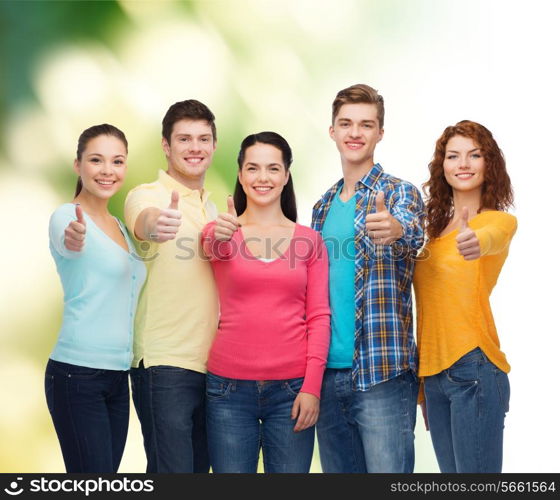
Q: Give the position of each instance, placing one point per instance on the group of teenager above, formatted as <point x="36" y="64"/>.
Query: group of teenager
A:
<point x="246" y="332"/>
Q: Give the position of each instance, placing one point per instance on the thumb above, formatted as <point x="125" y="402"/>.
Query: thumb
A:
<point x="380" y="202"/>
<point x="174" y="200"/>
<point x="231" y="206"/>
<point x="80" y="214"/>
<point x="464" y="219"/>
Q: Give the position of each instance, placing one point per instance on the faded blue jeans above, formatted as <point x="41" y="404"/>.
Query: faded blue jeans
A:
<point x="466" y="405"/>
<point x="169" y="402"/>
<point x="367" y="431"/>
<point x="90" y="409"/>
<point x="246" y="415"/>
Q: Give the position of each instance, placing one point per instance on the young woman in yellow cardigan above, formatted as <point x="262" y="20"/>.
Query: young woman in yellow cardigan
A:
<point x="464" y="371"/>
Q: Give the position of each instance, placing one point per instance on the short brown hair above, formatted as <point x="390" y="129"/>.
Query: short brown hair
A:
<point x="360" y="93"/>
<point x="190" y="109"/>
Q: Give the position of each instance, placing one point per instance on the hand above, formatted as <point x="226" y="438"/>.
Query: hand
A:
<point x="425" y="414"/>
<point x="168" y="222"/>
<point x="467" y="242"/>
<point x="306" y="410"/>
<point x="381" y="226"/>
<point x="226" y="223"/>
<point x="75" y="232"/>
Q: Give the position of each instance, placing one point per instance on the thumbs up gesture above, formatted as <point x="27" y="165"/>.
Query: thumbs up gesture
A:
<point x="167" y="224"/>
<point x="75" y="232"/>
<point x="226" y="223"/>
<point x="381" y="226"/>
<point x="467" y="242"/>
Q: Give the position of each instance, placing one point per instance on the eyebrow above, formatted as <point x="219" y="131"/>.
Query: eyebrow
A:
<point x="274" y="164"/>
<point x="101" y="154"/>
<point x="471" y="151"/>
<point x="349" y="120"/>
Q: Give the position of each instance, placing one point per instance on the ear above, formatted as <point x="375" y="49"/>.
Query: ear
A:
<point x="331" y="132"/>
<point x="381" y="134"/>
<point x="165" y="147"/>
<point x="76" y="166"/>
<point x="215" y="145"/>
<point x="287" y="177"/>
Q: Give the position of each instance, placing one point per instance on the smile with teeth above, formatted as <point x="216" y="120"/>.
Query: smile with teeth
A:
<point x="193" y="160"/>
<point x="354" y="145"/>
<point x="262" y="189"/>
<point x="465" y="175"/>
<point x="104" y="182"/>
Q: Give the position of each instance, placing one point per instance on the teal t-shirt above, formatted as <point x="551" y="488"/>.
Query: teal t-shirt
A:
<point x="338" y="234"/>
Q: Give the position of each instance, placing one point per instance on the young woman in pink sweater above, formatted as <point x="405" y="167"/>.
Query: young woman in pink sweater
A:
<point x="266" y="364"/>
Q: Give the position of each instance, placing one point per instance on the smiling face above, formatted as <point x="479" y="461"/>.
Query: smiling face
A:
<point x="190" y="151"/>
<point x="463" y="165"/>
<point x="263" y="174"/>
<point x="356" y="132"/>
<point x="102" y="166"/>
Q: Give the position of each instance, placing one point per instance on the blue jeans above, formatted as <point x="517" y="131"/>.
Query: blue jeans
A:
<point x="169" y="402"/>
<point x="90" y="409"/>
<point x="245" y="415"/>
<point x="467" y="405"/>
<point x="367" y="431"/>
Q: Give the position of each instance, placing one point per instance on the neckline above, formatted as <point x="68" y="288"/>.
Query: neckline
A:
<point x="121" y="228"/>
<point x="279" y="258"/>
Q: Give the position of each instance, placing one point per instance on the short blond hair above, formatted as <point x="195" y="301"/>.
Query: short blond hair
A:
<point x="360" y="93"/>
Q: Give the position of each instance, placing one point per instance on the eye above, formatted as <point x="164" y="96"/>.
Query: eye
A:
<point x="451" y="157"/>
<point x="205" y="139"/>
<point x="119" y="162"/>
<point x="95" y="160"/>
<point x="476" y="155"/>
<point x="368" y="125"/>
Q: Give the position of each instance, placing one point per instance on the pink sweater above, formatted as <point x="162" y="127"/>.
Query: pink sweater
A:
<point x="274" y="316"/>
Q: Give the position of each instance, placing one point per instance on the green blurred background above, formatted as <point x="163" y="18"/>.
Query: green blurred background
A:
<point x="269" y="65"/>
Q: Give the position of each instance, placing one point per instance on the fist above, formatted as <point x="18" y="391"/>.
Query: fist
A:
<point x="75" y="232"/>
<point x="467" y="242"/>
<point x="226" y="223"/>
<point x="168" y="222"/>
<point x="381" y="226"/>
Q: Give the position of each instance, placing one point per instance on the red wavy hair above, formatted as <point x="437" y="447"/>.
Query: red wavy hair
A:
<point x="497" y="193"/>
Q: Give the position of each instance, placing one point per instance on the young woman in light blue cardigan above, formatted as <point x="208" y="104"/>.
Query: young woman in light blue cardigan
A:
<point x="86" y="380"/>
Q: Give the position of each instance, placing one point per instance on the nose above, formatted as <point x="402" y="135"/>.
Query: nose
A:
<point x="262" y="174"/>
<point x="464" y="163"/>
<point x="194" y="146"/>
<point x="105" y="168"/>
<point x="355" y="130"/>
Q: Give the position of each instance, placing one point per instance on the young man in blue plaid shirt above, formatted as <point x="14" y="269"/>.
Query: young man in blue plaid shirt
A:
<point x="372" y="225"/>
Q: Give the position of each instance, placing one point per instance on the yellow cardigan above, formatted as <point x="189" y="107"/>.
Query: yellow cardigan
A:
<point x="453" y="295"/>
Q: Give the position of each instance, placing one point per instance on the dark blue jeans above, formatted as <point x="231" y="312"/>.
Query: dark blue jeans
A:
<point x="247" y="415"/>
<point x="467" y="405"/>
<point x="170" y="405"/>
<point x="367" y="431"/>
<point x="90" y="409"/>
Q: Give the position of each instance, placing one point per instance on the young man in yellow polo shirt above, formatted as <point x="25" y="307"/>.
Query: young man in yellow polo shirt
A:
<point x="178" y="309"/>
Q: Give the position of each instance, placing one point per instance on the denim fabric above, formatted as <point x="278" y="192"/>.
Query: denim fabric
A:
<point x="467" y="405"/>
<point x="169" y="402"/>
<point x="90" y="409"/>
<point x="244" y="416"/>
<point x="367" y="431"/>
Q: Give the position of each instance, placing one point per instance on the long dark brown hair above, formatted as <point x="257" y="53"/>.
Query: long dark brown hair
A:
<point x="497" y="193"/>
<point x="288" y="196"/>
<point x="91" y="133"/>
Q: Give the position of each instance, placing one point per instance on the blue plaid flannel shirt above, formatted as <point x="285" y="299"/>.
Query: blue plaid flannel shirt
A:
<point x="384" y="344"/>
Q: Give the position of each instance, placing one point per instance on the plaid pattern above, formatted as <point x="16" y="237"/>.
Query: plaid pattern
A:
<point x="384" y="340"/>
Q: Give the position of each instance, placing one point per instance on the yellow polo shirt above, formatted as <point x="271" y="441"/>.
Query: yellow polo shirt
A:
<point x="177" y="313"/>
<point x="453" y="295"/>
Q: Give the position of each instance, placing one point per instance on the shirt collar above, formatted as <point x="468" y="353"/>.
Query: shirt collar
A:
<point x="172" y="184"/>
<point x="370" y="179"/>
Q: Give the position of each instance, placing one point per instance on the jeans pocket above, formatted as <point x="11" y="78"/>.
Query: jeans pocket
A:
<point x="83" y="372"/>
<point x="217" y="387"/>
<point x="464" y="373"/>
<point x="49" y="391"/>
<point x="293" y="385"/>
<point x="502" y="381"/>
